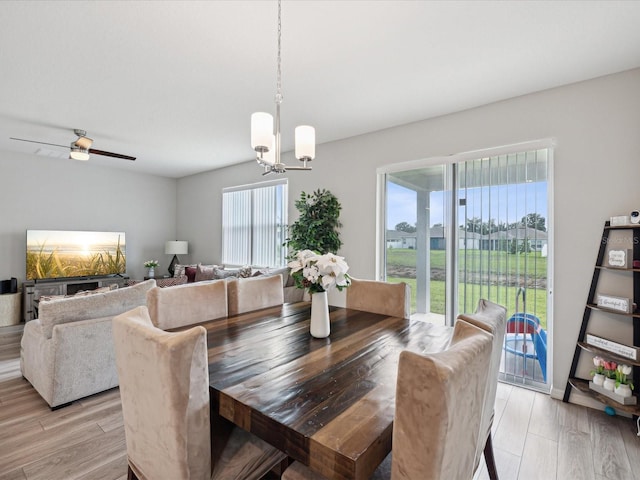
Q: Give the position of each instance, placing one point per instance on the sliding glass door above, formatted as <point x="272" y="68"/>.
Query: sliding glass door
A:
<point x="470" y="229"/>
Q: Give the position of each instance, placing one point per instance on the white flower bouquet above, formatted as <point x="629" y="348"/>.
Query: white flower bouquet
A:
<point x="319" y="273"/>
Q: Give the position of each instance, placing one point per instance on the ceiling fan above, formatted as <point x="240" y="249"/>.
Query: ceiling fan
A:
<point x="81" y="147"/>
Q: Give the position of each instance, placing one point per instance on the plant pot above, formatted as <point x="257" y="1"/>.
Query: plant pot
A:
<point x="623" y="390"/>
<point x="598" y="379"/>
<point x="320" y="326"/>
<point x="609" y="384"/>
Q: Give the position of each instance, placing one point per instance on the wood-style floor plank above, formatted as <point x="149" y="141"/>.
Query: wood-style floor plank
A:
<point x="573" y="417"/>
<point x="544" y="418"/>
<point x="575" y="456"/>
<point x="609" y="456"/>
<point x="539" y="460"/>
<point x="81" y="459"/>
<point x="512" y="436"/>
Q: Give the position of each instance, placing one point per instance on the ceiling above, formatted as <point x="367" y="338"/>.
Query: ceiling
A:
<point x="174" y="83"/>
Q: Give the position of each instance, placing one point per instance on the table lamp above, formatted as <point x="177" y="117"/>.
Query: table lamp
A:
<point x="175" y="247"/>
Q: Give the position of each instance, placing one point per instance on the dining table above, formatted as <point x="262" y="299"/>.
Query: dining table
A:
<point x="325" y="402"/>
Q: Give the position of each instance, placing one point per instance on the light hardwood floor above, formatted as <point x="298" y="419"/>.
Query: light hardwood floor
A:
<point x="535" y="437"/>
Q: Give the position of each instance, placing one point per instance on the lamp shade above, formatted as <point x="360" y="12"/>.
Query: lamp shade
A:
<point x="305" y="142"/>
<point x="261" y="130"/>
<point x="176" y="247"/>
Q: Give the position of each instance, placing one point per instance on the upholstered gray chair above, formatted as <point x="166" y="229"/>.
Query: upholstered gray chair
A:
<point x="492" y="318"/>
<point x="188" y="304"/>
<point x="439" y="404"/>
<point x="164" y="387"/>
<point x="393" y="299"/>
<point x="247" y="294"/>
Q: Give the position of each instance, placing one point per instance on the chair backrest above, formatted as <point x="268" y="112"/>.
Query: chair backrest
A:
<point x="164" y="387"/>
<point x="247" y="294"/>
<point x="188" y="304"/>
<point x="439" y="401"/>
<point x="393" y="299"/>
<point x="492" y="318"/>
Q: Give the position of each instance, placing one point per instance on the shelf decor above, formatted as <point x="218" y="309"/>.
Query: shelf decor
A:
<point x="613" y="347"/>
<point x="630" y="400"/>
<point x="611" y="302"/>
<point x="619" y="258"/>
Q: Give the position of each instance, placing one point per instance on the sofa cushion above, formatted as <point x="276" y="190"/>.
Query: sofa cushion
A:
<point x="105" y="304"/>
<point x="287" y="280"/>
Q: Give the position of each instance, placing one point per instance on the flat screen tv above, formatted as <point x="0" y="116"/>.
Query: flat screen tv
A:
<point x="64" y="254"/>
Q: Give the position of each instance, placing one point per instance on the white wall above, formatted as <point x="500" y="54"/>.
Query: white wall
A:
<point x="597" y="173"/>
<point x="42" y="193"/>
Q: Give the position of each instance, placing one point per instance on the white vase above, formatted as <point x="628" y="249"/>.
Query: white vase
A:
<point x="320" y="326"/>
<point x="598" y="379"/>
<point x="609" y="384"/>
<point x="152" y="272"/>
<point x="623" y="390"/>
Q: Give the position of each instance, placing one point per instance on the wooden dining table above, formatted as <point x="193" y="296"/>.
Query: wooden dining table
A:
<point x="328" y="403"/>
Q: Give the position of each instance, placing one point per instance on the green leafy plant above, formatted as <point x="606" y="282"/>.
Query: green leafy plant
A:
<point x="317" y="227"/>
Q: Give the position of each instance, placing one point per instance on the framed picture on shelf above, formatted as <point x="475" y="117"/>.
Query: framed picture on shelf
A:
<point x="619" y="258"/>
<point x="617" y="304"/>
<point x="614" y="347"/>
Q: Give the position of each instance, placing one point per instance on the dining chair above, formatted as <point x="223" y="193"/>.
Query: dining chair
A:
<point x="439" y="404"/>
<point x="254" y="293"/>
<point x="164" y="388"/>
<point x="188" y="304"/>
<point x="385" y="298"/>
<point x="492" y="318"/>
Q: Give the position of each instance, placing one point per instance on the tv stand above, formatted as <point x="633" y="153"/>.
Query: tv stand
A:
<point x="32" y="290"/>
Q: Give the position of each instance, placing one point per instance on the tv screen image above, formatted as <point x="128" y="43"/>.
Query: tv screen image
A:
<point x="63" y="254"/>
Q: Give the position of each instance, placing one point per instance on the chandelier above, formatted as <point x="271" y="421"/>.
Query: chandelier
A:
<point x="267" y="144"/>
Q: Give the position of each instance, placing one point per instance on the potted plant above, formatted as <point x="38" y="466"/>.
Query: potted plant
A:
<point x="151" y="265"/>
<point x="317" y="227"/>
<point x="623" y="384"/>
<point x="598" y="372"/>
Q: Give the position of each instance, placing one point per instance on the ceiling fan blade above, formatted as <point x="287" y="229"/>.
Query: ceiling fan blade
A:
<point x="110" y="154"/>
<point x="35" y="141"/>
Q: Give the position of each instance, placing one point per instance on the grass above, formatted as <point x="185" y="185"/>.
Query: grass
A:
<point x="532" y="264"/>
<point x="487" y="264"/>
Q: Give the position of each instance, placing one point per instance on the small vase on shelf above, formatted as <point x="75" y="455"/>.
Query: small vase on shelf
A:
<point x="598" y="379"/>
<point x="609" y="384"/>
<point x="151" y="273"/>
<point x="320" y="325"/>
<point x="623" y="390"/>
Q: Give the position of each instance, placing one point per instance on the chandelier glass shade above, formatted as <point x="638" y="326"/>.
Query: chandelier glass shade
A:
<point x="265" y="139"/>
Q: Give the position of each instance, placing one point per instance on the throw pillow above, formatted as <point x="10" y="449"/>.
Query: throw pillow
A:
<point x="204" y="272"/>
<point x="180" y="269"/>
<point x="244" y="272"/>
<point x="190" y="272"/>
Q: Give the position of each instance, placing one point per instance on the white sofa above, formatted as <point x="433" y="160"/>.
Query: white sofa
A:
<point x="67" y="352"/>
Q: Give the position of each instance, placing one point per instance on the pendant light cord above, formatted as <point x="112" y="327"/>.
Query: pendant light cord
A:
<point x="279" y="72"/>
